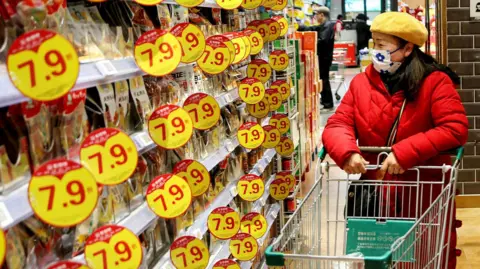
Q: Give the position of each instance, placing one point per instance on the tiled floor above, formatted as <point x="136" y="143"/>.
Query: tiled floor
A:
<point x="469" y="238"/>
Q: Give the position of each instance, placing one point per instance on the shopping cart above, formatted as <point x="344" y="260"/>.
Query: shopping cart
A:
<point x="381" y="238"/>
<point x="337" y="71"/>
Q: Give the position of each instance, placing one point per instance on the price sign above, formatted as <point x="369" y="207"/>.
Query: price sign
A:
<point x="251" y="135"/>
<point x="273" y="29"/>
<point x="283" y="87"/>
<point x="169" y="196"/>
<point x="223" y="222"/>
<point x="248" y="45"/>
<point x="279" y="189"/>
<point x="283" y="24"/>
<point x="110" y="155"/>
<point x="251" y="4"/>
<point x="229" y="4"/>
<point x="287" y="177"/>
<point x="272" y="137"/>
<point x="280" y="121"/>
<point x="189" y="3"/>
<point x="285" y="147"/>
<point x="268" y="3"/>
<point x="243" y="247"/>
<point x="260" y="109"/>
<point x="67" y="265"/>
<point x="251" y="90"/>
<point x="279" y="5"/>
<point x="278" y="60"/>
<point x="226" y="264"/>
<point x="260" y="70"/>
<point x="62" y="193"/>
<point x="170" y="126"/>
<point x="261" y="28"/>
<point x="189" y="252"/>
<point x="274" y="99"/>
<point x="113" y="246"/>
<point x="3" y="247"/>
<point x="43" y="65"/>
<point x="195" y="174"/>
<point x="254" y="224"/>
<point x="256" y="41"/>
<point x="238" y="44"/>
<point x="250" y="187"/>
<point x="149" y="2"/>
<point x="158" y="52"/>
<point x="227" y="43"/>
<point x="191" y="39"/>
<point x="216" y="57"/>
<point x="203" y="109"/>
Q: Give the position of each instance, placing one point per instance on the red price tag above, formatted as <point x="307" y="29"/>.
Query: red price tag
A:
<point x="251" y="135"/>
<point x="227" y="43"/>
<point x="239" y="46"/>
<point x="216" y="57"/>
<point x="149" y="2"/>
<point x="203" y="109"/>
<point x="278" y="60"/>
<point x="256" y="41"/>
<point x="191" y="39"/>
<point x="67" y="265"/>
<point x="280" y="121"/>
<point x="251" y="4"/>
<point x="243" y="247"/>
<point x="3" y="247"/>
<point x="261" y="28"/>
<point x="260" y="109"/>
<point x="170" y="126"/>
<point x="251" y="90"/>
<point x="272" y="137"/>
<point x="274" y="99"/>
<point x="189" y="3"/>
<point x="195" y="174"/>
<point x="110" y="155"/>
<point x="283" y="24"/>
<point x="189" y="252"/>
<point x="254" y="224"/>
<point x="279" y="5"/>
<point x="283" y="87"/>
<point x="250" y="187"/>
<point x="226" y="264"/>
<point x="273" y="29"/>
<point x="43" y="65"/>
<point x="158" y="52"/>
<point x="169" y="196"/>
<point x="287" y="177"/>
<point x="285" y="147"/>
<point x="279" y="189"/>
<point x="223" y="223"/>
<point x="113" y="246"/>
<point x="229" y="4"/>
<point x="260" y="70"/>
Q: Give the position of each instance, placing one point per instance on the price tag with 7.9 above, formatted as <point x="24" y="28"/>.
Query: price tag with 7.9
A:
<point x="67" y="265"/>
<point x="251" y="90"/>
<point x="113" y="246"/>
<point x="191" y="39"/>
<point x="250" y="187"/>
<point x="243" y="246"/>
<point x="251" y="4"/>
<point x="149" y="2"/>
<point x="189" y="3"/>
<point x="260" y="109"/>
<point x="280" y="121"/>
<point x="195" y="174"/>
<point x="283" y="24"/>
<point x="274" y="99"/>
<point x="254" y="224"/>
<point x="261" y="28"/>
<point x="268" y="3"/>
<point x="203" y="109"/>
<point x="279" y="189"/>
<point x="43" y="65"/>
<point x="189" y="252"/>
<point x="279" y="5"/>
<point x="272" y="137"/>
<point x="216" y="57"/>
<point x="3" y="246"/>
<point x="251" y="135"/>
<point x="223" y="222"/>
<point x="62" y="193"/>
<point x="170" y="126"/>
<point x="273" y="29"/>
<point x="256" y="41"/>
<point x="288" y="177"/>
<point x="169" y="196"/>
<point x="227" y="43"/>
<point x="229" y="4"/>
<point x="110" y="155"/>
<point x="283" y="87"/>
<point x="285" y="147"/>
<point x="226" y="264"/>
<point x="278" y="60"/>
<point x="259" y="69"/>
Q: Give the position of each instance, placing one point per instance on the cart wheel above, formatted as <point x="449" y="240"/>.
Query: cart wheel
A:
<point x="337" y="96"/>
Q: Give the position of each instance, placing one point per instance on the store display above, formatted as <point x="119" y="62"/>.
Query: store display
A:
<point x="250" y="187"/>
<point x="243" y="246"/>
<point x="223" y="222"/>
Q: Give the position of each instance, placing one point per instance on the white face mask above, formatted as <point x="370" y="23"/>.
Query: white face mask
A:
<point x="382" y="62"/>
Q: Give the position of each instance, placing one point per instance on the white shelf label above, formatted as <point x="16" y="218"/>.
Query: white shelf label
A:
<point x="228" y="98"/>
<point x="106" y="68"/>
<point x="234" y="191"/>
<point x="229" y="145"/>
<point x="5" y="217"/>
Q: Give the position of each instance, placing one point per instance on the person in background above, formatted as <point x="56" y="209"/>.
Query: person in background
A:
<point x="363" y="32"/>
<point x="339" y="27"/>
<point x="325" y="42"/>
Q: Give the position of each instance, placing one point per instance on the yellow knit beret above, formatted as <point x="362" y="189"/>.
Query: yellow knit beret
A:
<point x="401" y="25"/>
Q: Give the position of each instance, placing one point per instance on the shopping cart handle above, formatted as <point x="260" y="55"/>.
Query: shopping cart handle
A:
<point x="274" y="258"/>
<point x="322" y="154"/>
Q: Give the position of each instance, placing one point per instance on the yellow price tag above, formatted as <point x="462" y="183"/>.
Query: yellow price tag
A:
<point x="226" y="264"/>
<point x="259" y="69"/>
<point x="251" y="90"/>
<point x="43" y="65"/>
<point x="238" y="44"/>
<point x="274" y="99"/>
<point x="251" y="4"/>
<point x="67" y="265"/>
<point x="110" y="155"/>
<point x="272" y="137"/>
<point x="283" y="24"/>
<point x="203" y="110"/>
<point x="287" y="177"/>
<point x="250" y="187"/>
<point x="158" y="52"/>
<point x="248" y="45"/>
<point x="283" y="87"/>
<point x="268" y="3"/>
<point x="259" y="110"/>
<point x="170" y="126"/>
<point x="3" y="247"/>
<point x="149" y="2"/>
<point x="189" y="3"/>
<point x="216" y="57"/>
<point x="223" y="223"/>
<point x="279" y="189"/>
<point x="191" y="39"/>
<point x="113" y="246"/>
<point x="227" y="43"/>
<point x="278" y="60"/>
<point x="169" y="196"/>
<point x="280" y="121"/>
<point x="195" y="174"/>
<point x="62" y="193"/>
<point x="261" y="28"/>
<point x="273" y="29"/>
<point x="251" y="135"/>
<point x="189" y="252"/>
<point x="243" y="247"/>
<point x="285" y="147"/>
<point x="229" y="4"/>
<point x="279" y="5"/>
<point x="256" y="41"/>
<point x="254" y="224"/>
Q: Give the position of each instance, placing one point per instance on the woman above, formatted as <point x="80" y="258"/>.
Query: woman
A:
<point x="433" y="118"/>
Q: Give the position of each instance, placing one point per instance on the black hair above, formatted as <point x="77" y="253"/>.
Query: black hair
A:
<point x="339" y="17"/>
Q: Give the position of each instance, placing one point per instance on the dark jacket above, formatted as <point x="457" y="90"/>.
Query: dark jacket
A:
<point x="363" y="34"/>
<point x="325" y="41"/>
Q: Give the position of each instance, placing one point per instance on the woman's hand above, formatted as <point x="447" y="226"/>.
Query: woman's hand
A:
<point x="355" y="164"/>
<point x="391" y="165"/>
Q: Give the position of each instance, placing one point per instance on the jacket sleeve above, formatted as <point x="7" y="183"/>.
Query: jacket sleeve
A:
<point x="450" y="131"/>
<point x="303" y="28"/>
<point x="339" y="137"/>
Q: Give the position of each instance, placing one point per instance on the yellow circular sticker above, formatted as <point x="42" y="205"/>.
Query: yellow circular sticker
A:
<point x="169" y="196"/>
<point x="273" y="29"/>
<point x="191" y="39"/>
<point x="279" y="5"/>
<point x="113" y="246"/>
<point x="189" y="3"/>
<point x="227" y="43"/>
<point x="274" y="99"/>
<point x="110" y="155"/>
<point x="62" y="193"/>
<point x="259" y="110"/>
<point x="248" y="45"/>
<point x="269" y="3"/>
<point x="239" y="46"/>
<point x="216" y="57"/>
<point x="279" y="189"/>
<point x="251" y="90"/>
<point x="283" y="87"/>
<point x="195" y="174"/>
<point x="251" y="135"/>
<point x="229" y="4"/>
<point x="243" y="247"/>
<point x="272" y="137"/>
<point x="149" y="2"/>
<point x="254" y="224"/>
<point x="278" y="60"/>
<point x="260" y="70"/>
<point x="158" y="52"/>
<point x="285" y="147"/>
<point x="287" y="177"/>
<point x="250" y="187"/>
<point x="256" y="41"/>
<point x="261" y="28"/>
<point x="43" y="65"/>
<point x="281" y="122"/>
<point x="170" y="126"/>
<point x="3" y="247"/>
<point x="283" y="24"/>
<point x="226" y="264"/>
<point x="251" y="4"/>
<point x="203" y="109"/>
<point x="67" y="265"/>
<point x="223" y="223"/>
<point x="189" y="252"/>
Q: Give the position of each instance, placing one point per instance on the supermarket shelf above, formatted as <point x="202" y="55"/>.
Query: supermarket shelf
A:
<point x="222" y="252"/>
<point x="206" y="3"/>
<point x="257" y="206"/>
<point x="14" y="207"/>
<point x="295" y="192"/>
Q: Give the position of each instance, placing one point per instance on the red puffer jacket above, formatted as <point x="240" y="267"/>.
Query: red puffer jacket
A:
<point x="434" y="122"/>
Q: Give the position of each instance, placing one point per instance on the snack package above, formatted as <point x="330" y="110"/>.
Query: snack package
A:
<point x="108" y="105"/>
<point x="137" y="183"/>
<point x="120" y="201"/>
<point x="141" y="102"/>
<point x="15" y="256"/>
<point x="83" y="43"/>
<point x="74" y="123"/>
<point x="164" y="17"/>
<point x="122" y="99"/>
<point x="179" y="14"/>
<point x="41" y="14"/>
